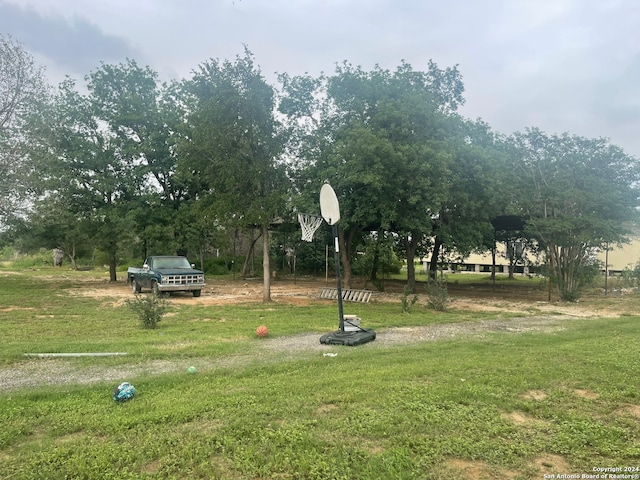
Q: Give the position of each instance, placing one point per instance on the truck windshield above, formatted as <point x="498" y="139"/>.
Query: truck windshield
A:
<point x="177" y="262"/>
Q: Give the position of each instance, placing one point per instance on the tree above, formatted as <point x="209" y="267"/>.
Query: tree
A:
<point x="50" y="224"/>
<point x="234" y="147"/>
<point x="474" y="186"/>
<point x="578" y="194"/>
<point x="98" y="148"/>
<point x="23" y="94"/>
<point x="150" y="120"/>
<point x="377" y="137"/>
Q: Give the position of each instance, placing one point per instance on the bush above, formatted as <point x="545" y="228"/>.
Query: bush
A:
<point x="8" y="253"/>
<point x="631" y="276"/>
<point x="149" y="308"/>
<point x="583" y="277"/>
<point x="437" y="294"/>
<point x="222" y="265"/>
<point x="408" y="303"/>
<point x="379" y="255"/>
<point x="41" y="258"/>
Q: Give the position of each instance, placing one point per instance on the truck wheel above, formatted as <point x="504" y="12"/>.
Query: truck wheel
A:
<point x="196" y="293"/>
<point x="155" y="289"/>
<point x="135" y="288"/>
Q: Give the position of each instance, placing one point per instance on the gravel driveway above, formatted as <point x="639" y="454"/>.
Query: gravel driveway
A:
<point x="37" y="372"/>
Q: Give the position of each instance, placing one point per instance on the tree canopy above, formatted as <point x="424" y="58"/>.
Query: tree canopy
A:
<point x="125" y="163"/>
<point x="379" y="138"/>
<point x="23" y="94"/>
<point x="577" y="195"/>
<point x="234" y="146"/>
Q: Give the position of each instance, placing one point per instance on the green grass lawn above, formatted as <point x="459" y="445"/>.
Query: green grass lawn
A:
<point x="500" y="405"/>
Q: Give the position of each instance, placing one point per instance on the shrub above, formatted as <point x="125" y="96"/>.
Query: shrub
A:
<point x="377" y="254"/>
<point x="437" y="294"/>
<point x="379" y="284"/>
<point x="631" y="276"/>
<point x="572" y="288"/>
<point x="223" y="265"/>
<point x="8" y="253"/>
<point x="42" y="258"/>
<point x="408" y="303"/>
<point x="149" y="308"/>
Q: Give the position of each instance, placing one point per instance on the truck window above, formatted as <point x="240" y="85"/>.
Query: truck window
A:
<point x="178" y="262"/>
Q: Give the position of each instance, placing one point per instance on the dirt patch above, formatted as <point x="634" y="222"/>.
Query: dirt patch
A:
<point x="300" y="292"/>
<point x="305" y="291"/>
<point x="326" y="408"/>
<point x="552" y="464"/>
<point x="588" y="394"/>
<point x="518" y="418"/>
<point x="522" y="419"/>
<point x="537" y="395"/>
<point x="478" y="470"/>
<point x="633" y="410"/>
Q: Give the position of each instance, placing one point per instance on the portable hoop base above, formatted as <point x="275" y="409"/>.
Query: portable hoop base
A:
<point x="364" y="335"/>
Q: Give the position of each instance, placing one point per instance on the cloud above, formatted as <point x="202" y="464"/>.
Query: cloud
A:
<point x="73" y="45"/>
<point x="560" y="65"/>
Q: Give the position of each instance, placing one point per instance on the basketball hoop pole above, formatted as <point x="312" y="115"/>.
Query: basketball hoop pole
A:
<point x="330" y="209"/>
<point x="338" y="282"/>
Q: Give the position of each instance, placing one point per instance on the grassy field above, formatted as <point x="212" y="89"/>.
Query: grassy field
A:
<point x="497" y="405"/>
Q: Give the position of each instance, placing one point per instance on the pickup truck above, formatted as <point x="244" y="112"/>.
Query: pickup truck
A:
<point x="166" y="274"/>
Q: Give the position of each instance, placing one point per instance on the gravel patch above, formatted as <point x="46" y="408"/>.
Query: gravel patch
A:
<point x="40" y="372"/>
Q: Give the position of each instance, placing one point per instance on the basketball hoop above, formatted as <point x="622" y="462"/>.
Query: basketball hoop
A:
<point x="309" y="224"/>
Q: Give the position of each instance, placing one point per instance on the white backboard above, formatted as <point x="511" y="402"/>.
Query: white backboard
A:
<point x="329" y="206"/>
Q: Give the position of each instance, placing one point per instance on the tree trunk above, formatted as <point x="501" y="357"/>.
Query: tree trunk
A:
<point x="266" y="275"/>
<point x="511" y="253"/>
<point x="433" y="265"/>
<point x="112" y="265"/>
<point x="376" y="263"/>
<point x="72" y="256"/>
<point x="493" y="262"/>
<point x="247" y="259"/>
<point x="410" y="247"/>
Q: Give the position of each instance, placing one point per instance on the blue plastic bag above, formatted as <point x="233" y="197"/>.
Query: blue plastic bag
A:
<point x="123" y="392"/>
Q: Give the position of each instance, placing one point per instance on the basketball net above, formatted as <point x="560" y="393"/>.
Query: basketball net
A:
<point x="309" y="224"/>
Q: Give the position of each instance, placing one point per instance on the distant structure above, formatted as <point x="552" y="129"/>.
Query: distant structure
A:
<point x="613" y="262"/>
<point x="58" y="256"/>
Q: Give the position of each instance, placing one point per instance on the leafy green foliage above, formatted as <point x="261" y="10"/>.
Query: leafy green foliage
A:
<point x="631" y="275"/>
<point x="377" y="257"/>
<point x="234" y="143"/>
<point x="131" y="167"/>
<point x="220" y="265"/>
<point x="23" y="99"/>
<point x="472" y="190"/>
<point x="376" y="136"/>
<point x="93" y="170"/>
<point x="437" y="294"/>
<point x="234" y="147"/>
<point x="407" y="300"/>
<point x="149" y="308"/>
<point x="577" y="194"/>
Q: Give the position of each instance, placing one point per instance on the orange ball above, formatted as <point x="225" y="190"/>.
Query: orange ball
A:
<point x="262" y="331"/>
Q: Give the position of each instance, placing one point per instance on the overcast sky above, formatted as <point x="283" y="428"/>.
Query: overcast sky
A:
<point x="559" y="65"/>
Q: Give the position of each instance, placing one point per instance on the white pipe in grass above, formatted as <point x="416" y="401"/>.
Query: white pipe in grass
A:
<point x="73" y="355"/>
